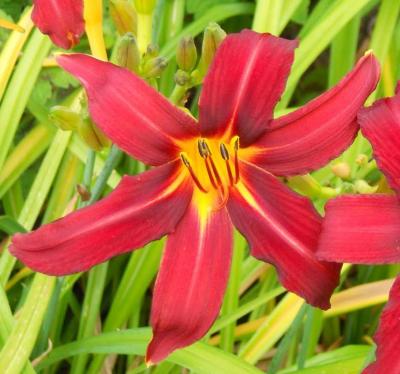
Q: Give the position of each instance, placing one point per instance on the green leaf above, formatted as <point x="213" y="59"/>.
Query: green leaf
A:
<point x="10" y="226"/>
<point x="199" y="357"/>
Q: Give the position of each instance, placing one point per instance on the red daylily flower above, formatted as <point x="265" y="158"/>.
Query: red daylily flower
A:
<point x="61" y="20"/>
<point x="208" y="176"/>
<point x="365" y="229"/>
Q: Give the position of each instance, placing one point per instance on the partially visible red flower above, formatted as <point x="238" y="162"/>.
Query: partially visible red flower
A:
<point x="208" y="176"/>
<point x="62" y="20"/>
<point x="365" y="229"/>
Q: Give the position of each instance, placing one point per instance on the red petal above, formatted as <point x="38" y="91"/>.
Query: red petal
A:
<point x="380" y="124"/>
<point x="61" y="20"/>
<point x="361" y="229"/>
<point x="387" y="337"/>
<point x="141" y="209"/>
<point x="244" y="83"/>
<point x="311" y="136"/>
<point x="191" y="283"/>
<point x="130" y="112"/>
<point x="283" y="228"/>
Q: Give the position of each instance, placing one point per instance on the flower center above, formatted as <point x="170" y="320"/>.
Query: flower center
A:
<point x="213" y="166"/>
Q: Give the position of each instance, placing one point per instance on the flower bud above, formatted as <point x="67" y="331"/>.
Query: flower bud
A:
<point x="181" y="78"/>
<point x="341" y="170"/>
<point x="83" y="192"/>
<point x="154" y="67"/>
<point x="92" y="136"/>
<point x="213" y="37"/>
<point x="363" y="187"/>
<point x="152" y="50"/>
<point x="145" y="6"/>
<point x="124" y="16"/>
<point x="65" y="118"/>
<point x="128" y="55"/>
<point x="186" y="54"/>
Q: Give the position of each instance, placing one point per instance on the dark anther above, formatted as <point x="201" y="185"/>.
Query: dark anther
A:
<point x="224" y="151"/>
<point x="204" y="149"/>
<point x="185" y="160"/>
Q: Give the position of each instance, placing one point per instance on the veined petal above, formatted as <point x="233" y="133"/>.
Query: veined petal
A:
<point x="311" y="136"/>
<point x="130" y="112"/>
<point x="61" y="20"/>
<point x="141" y="209"/>
<point x="245" y="81"/>
<point x="191" y="282"/>
<point x="362" y="229"/>
<point x="282" y="229"/>
<point x="387" y="337"/>
<point x="380" y="124"/>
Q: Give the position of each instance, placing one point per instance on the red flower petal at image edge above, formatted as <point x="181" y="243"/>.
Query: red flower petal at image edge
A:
<point x="61" y="20"/>
<point x="141" y="209"/>
<point x="187" y="299"/>
<point x="214" y="175"/>
<point x="387" y="336"/>
<point x="365" y="229"/>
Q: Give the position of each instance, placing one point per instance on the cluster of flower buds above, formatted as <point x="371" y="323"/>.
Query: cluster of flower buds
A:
<point x="148" y="66"/>
<point x="69" y="120"/>
<point x="191" y="71"/>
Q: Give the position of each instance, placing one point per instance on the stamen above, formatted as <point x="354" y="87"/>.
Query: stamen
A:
<point x="210" y="175"/>
<point x="224" y="195"/>
<point x="192" y="174"/>
<point x="225" y="156"/>
<point x="215" y="171"/>
<point x="236" y="148"/>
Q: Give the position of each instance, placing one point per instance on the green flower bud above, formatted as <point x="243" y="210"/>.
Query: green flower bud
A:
<point x="152" y="50"/>
<point x="213" y="37"/>
<point x="186" y="54"/>
<point x="124" y="16"/>
<point x="128" y="55"/>
<point x="92" y="136"/>
<point x="182" y="78"/>
<point x="65" y="118"/>
<point x="145" y="6"/>
<point x="154" y="67"/>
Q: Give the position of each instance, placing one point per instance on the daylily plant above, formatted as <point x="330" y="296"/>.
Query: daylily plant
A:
<point x="61" y="20"/>
<point x="365" y="229"/>
<point x="207" y="177"/>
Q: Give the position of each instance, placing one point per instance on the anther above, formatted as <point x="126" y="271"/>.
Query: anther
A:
<point x="225" y="156"/>
<point x="224" y="151"/>
<point x="192" y="174"/>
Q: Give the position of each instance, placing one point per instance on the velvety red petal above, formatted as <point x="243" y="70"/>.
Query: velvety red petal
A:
<point x="191" y="283"/>
<point x="282" y="229"/>
<point x="311" y="136"/>
<point x="245" y="81"/>
<point x="61" y="20"/>
<point x="387" y="337"/>
<point x="141" y="209"/>
<point x="380" y="124"/>
<point x="130" y="112"/>
<point x="362" y="229"/>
